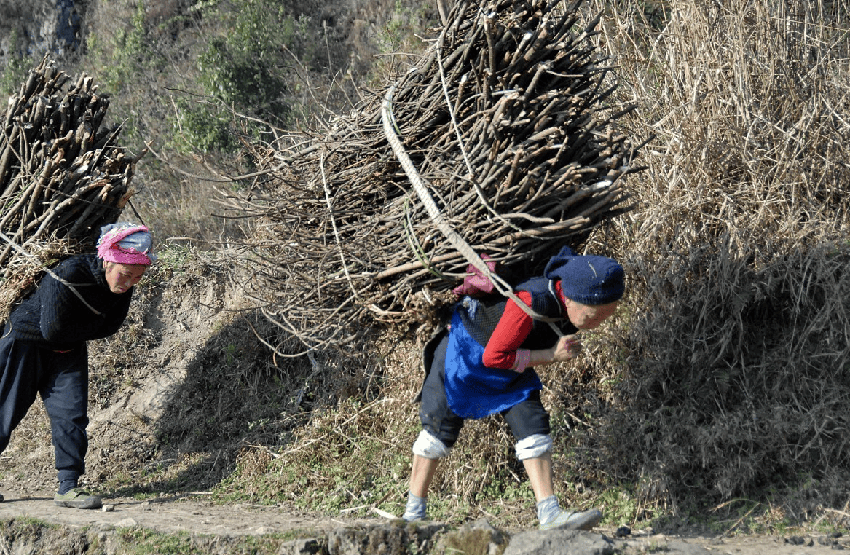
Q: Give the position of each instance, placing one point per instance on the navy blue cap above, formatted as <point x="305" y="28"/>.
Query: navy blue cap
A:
<point x="587" y="279"/>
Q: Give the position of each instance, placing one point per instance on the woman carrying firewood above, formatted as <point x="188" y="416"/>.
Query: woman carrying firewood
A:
<point x="484" y="363"/>
<point x="43" y="347"/>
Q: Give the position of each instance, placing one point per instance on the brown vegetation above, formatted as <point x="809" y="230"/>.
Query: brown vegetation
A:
<point x="503" y="128"/>
<point x="724" y="374"/>
<point x="732" y="356"/>
<point x="721" y="383"/>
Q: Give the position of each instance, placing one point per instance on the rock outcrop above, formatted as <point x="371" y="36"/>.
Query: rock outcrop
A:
<point x="38" y="27"/>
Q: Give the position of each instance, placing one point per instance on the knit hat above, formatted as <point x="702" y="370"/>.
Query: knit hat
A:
<point x="126" y="243"/>
<point x="590" y="279"/>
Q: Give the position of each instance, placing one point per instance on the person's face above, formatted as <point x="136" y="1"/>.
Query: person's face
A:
<point x="586" y="316"/>
<point x="121" y="277"/>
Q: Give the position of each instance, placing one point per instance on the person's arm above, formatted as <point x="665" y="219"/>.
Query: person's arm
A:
<point x="113" y="316"/>
<point x="503" y="350"/>
<point x="567" y="347"/>
<point x="65" y="318"/>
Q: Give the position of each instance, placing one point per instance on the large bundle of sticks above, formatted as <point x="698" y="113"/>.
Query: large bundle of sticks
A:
<point x="505" y="126"/>
<point x="61" y="175"/>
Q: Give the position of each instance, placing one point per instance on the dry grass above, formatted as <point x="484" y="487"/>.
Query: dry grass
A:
<point x="734" y="359"/>
<point x="724" y="373"/>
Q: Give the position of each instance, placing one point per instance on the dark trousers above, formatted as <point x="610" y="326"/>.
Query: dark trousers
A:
<point x="524" y="419"/>
<point x="62" y="381"/>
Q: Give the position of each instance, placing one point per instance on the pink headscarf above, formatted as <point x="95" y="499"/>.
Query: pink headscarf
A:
<point x="125" y="243"/>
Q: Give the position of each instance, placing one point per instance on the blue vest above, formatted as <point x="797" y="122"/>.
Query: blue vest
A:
<point x="474" y="390"/>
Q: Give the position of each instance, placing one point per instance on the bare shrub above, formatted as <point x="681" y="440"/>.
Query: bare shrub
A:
<point x="345" y="244"/>
<point x="734" y="359"/>
<point x="724" y="373"/>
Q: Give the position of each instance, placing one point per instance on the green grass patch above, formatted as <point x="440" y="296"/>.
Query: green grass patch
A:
<point x="137" y="541"/>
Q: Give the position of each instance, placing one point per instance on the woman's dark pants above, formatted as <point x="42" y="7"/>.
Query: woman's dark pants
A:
<point x="62" y="381"/>
<point x="527" y="418"/>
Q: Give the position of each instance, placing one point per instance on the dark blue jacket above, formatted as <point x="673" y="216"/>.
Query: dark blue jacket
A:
<point x="54" y="316"/>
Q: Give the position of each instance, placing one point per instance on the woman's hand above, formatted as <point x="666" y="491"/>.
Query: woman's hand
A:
<point x="567" y="347"/>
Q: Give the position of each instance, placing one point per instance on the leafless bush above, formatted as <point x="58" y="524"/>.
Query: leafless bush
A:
<point x="725" y="371"/>
<point x="734" y="359"/>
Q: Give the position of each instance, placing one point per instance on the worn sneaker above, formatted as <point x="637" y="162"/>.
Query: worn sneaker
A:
<point x="78" y="498"/>
<point x="416" y="508"/>
<point x="410" y="517"/>
<point x="567" y="520"/>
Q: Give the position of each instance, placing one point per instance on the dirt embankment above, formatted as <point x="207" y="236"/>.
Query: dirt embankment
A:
<point x="181" y="321"/>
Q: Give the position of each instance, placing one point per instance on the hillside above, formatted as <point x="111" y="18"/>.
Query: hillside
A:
<point x="715" y="402"/>
<point x="178" y="400"/>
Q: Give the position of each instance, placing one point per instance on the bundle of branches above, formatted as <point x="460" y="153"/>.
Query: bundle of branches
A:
<point x="505" y="131"/>
<point x="61" y="175"/>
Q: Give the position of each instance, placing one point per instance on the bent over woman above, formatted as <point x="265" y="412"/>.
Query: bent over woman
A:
<point x="43" y="347"/>
<point x="484" y="365"/>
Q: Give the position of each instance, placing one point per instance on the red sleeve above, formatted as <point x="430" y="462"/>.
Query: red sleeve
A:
<point x="510" y="332"/>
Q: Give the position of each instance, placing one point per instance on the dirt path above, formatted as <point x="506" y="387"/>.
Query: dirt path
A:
<point x="190" y="513"/>
<point x="194" y="514"/>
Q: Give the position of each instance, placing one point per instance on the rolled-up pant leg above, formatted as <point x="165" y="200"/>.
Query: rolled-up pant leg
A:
<point x="65" y="397"/>
<point x="529" y="422"/>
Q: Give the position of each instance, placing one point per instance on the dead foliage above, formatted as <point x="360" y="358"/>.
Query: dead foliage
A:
<point x="724" y="374"/>
<point x="733" y="360"/>
<point x="505" y="122"/>
<point x="62" y="175"/>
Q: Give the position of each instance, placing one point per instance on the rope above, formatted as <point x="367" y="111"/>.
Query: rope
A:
<point x="437" y="217"/>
